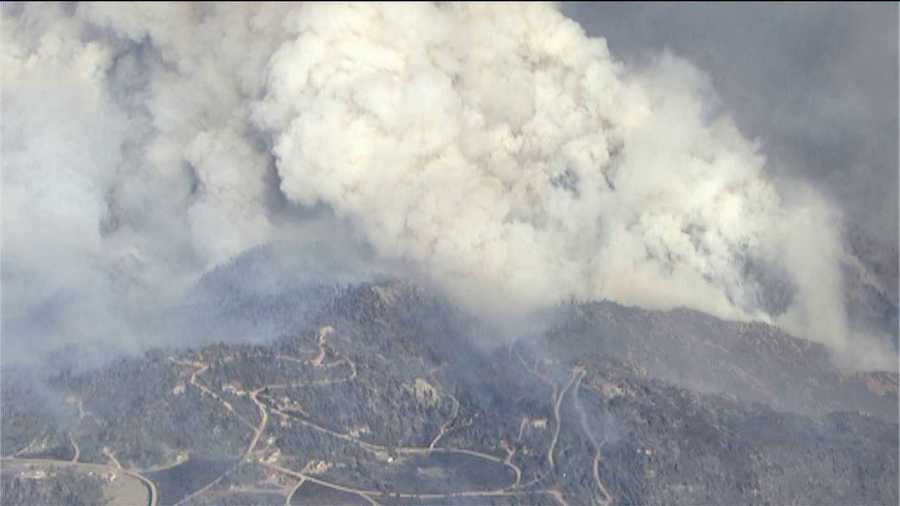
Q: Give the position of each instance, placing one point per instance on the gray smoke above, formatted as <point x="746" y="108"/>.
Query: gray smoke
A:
<point x="495" y="150"/>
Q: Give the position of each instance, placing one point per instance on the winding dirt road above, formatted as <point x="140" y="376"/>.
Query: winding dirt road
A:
<point x="446" y="425"/>
<point x="264" y="407"/>
<point x="111" y="455"/>
<point x="263" y="420"/>
<point x="601" y="488"/>
<point x="75" y="445"/>
<point x="151" y="487"/>
<point x="290" y="494"/>
<point x="319" y="360"/>
<point x="556" y="416"/>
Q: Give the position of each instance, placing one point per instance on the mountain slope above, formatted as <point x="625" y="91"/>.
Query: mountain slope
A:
<point x="385" y="393"/>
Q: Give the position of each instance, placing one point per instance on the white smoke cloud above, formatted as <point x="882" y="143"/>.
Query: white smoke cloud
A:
<point x="496" y="149"/>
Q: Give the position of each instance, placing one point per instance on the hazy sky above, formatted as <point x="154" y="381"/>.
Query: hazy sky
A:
<point x="817" y="83"/>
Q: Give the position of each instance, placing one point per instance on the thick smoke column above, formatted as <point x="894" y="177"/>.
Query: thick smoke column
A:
<point x="496" y="149"/>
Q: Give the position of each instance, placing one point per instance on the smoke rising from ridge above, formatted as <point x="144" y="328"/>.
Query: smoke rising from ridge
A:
<point x="495" y="150"/>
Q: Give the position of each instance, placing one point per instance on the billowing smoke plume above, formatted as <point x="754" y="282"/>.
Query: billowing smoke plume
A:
<point x="496" y="150"/>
